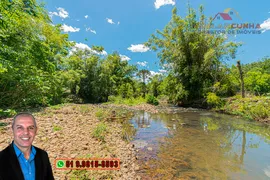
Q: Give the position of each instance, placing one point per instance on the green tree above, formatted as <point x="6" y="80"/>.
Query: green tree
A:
<point x="144" y="74"/>
<point x="195" y="56"/>
<point x="154" y="85"/>
<point x="257" y="82"/>
<point x="107" y="77"/>
<point x="29" y="47"/>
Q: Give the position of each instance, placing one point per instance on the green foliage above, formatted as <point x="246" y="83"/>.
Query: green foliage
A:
<point x="173" y="89"/>
<point x="126" y="90"/>
<point x="7" y="112"/>
<point x="56" y="128"/>
<point x="228" y="84"/>
<point x="263" y="66"/>
<point x="144" y="74"/>
<point x="152" y="100"/>
<point x="100" y="131"/>
<point x="257" y="108"/>
<point x="100" y="114"/>
<point x="193" y="55"/>
<point x="257" y="82"/>
<point x="57" y="107"/>
<point x="213" y="100"/>
<point x="106" y="77"/>
<point x="38" y="68"/>
<point x="29" y="47"/>
<point x="154" y="85"/>
<point x="128" y="101"/>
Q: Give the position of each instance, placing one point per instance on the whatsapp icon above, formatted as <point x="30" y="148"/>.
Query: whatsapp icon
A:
<point x="60" y="164"/>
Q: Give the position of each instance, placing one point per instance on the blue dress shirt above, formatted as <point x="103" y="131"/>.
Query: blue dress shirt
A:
<point x="27" y="166"/>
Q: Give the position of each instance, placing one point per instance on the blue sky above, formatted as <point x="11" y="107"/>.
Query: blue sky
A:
<point x="124" y="25"/>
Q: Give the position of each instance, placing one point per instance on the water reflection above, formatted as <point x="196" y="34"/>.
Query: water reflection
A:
<point x="201" y="145"/>
<point x="143" y="121"/>
<point x="267" y="171"/>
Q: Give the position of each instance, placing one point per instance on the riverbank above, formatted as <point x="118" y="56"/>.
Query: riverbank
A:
<point x="83" y="131"/>
<point x="87" y="130"/>
<point x="251" y="108"/>
<point x="254" y="108"/>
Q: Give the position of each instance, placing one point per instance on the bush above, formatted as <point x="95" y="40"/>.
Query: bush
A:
<point x="252" y="108"/>
<point x="128" y="101"/>
<point x="152" y="100"/>
<point x="7" y="113"/>
<point x="213" y="100"/>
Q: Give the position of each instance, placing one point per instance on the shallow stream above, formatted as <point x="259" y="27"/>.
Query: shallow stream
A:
<point x="197" y="144"/>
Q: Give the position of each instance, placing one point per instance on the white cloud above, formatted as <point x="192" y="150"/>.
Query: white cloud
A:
<point x="118" y="23"/>
<point x="265" y="26"/>
<point x="160" y="3"/>
<point x="143" y="64"/>
<point x="110" y="21"/>
<point x="81" y="46"/>
<point x="67" y="28"/>
<point x="86" y="16"/>
<point x="103" y="53"/>
<point x="124" y="58"/>
<point x="51" y="14"/>
<point x="61" y="13"/>
<point x="162" y="70"/>
<point x="91" y="30"/>
<point x="153" y="73"/>
<point x="138" y="48"/>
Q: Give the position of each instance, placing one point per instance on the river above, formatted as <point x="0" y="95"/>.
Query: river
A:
<point x="197" y="144"/>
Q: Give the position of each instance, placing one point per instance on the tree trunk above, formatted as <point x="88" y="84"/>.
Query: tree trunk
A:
<point x="241" y="78"/>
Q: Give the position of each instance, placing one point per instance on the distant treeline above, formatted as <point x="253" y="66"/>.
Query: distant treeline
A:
<point x="39" y="66"/>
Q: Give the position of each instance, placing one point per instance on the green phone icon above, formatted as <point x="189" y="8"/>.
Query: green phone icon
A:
<point x="60" y="164"/>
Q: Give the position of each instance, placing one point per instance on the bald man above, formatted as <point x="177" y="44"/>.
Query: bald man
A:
<point x="21" y="160"/>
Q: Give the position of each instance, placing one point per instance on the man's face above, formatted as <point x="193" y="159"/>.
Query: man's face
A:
<point x="24" y="131"/>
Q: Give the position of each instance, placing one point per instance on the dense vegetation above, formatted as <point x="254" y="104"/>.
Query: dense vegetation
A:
<point x="39" y="66"/>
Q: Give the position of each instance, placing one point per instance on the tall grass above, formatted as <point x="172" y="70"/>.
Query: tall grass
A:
<point x="100" y="131"/>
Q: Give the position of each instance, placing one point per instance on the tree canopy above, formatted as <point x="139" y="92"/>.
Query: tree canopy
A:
<point x="195" y="57"/>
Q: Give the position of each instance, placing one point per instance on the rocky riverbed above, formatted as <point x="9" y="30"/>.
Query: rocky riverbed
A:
<point x="67" y="132"/>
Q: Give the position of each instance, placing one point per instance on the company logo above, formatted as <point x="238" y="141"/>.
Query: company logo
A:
<point x="230" y="22"/>
<point x="228" y="14"/>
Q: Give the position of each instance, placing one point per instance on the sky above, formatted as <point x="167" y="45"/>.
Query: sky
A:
<point x="125" y="25"/>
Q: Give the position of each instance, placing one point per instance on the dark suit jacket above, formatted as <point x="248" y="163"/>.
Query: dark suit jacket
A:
<point x="10" y="168"/>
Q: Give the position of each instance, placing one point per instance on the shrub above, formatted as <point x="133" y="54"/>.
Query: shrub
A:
<point x="152" y="100"/>
<point x="127" y="101"/>
<point x="213" y="100"/>
<point x="7" y="113"/>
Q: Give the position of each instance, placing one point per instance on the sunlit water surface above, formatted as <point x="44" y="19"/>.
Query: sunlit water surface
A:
<point x="196" y="144"/>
